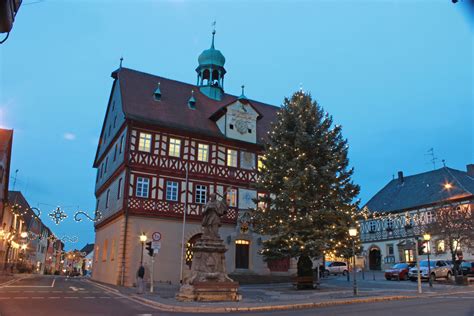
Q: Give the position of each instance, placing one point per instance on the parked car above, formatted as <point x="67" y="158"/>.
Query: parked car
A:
<point x="336" y="267"/>
<point x="467" y="268"/>
<point x="399" y="271"/>
<point x="438" y="269"/>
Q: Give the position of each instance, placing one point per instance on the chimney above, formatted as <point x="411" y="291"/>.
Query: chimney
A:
<point x="470" y="170"/>
<point x="400" y="177"/>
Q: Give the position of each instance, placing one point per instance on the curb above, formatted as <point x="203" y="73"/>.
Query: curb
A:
<point x="193" y="309"/>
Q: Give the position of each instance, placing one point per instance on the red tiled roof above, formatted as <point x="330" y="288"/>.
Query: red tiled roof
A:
<point x="172" y="110"/>
<point x="5" y="138"/>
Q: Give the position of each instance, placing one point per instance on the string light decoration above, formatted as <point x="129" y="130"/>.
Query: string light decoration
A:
<point x="71" y="239"/>
<point x="58" y="215"/>
<point x="97" y="216"/>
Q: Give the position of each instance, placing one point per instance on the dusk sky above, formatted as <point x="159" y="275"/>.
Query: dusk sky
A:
<point x="397" y="75"/>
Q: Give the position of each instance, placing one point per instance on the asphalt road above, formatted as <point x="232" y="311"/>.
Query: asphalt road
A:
<point x="48" y="295"/>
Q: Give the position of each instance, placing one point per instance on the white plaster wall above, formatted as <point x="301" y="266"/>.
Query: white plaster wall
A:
<point x="115" y="204"/>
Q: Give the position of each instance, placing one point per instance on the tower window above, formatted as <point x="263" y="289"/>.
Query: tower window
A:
<point x="231" y="126"/>
<point x="250" y="131"/>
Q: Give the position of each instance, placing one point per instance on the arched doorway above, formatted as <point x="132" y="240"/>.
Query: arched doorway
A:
<point x="189" y="249"/>
<point x="375" y="262"/>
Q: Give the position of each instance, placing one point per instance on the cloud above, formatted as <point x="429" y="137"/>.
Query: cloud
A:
<point x="69" y="136"/>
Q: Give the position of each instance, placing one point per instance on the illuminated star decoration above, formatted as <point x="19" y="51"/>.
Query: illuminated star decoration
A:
<point x="57" y="215"/>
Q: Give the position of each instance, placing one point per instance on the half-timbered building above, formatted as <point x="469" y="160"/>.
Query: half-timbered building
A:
<point x="405" y="206"/>
<point x="165" y="146"/>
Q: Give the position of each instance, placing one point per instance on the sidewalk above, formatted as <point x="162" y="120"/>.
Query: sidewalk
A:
<point x="263" y="297"/>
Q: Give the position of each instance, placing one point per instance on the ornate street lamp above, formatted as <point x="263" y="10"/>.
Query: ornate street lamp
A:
<point x="427" y="238"/>
<point x="142" y="240"/>
<point x="353" y="234"/>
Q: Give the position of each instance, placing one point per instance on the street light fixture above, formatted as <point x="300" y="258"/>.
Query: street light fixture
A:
<point x="24" y="235"/>
<point x="142" y="240"/>
<point x="353" y="234"/>
<point x="427" y="238"/>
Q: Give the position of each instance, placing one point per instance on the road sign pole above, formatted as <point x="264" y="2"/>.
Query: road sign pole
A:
<point x="151" y="273"/>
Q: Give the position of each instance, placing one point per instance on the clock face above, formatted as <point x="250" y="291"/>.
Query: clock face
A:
<point x="242" y="126"/>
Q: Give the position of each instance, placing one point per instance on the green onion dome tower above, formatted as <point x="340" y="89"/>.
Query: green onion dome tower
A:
<point x="211" y="71"/>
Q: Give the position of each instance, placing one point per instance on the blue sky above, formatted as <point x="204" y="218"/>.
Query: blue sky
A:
<point x="397" y="75"/>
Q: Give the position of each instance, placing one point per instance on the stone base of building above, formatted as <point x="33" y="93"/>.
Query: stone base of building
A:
<point x="209" y="292"/>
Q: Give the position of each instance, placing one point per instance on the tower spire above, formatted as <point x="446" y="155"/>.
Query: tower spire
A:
<point x="213" y="33"/>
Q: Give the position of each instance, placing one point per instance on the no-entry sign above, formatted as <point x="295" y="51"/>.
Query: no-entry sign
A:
<point x="156" y="236"/>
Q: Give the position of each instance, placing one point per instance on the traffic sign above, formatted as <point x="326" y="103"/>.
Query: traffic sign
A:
<point x="156" y="245"/>
<point x="156" y="236"/>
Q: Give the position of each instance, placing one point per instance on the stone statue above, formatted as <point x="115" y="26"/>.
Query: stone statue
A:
<point x="209" y="280"/>
<point x="211" y="221"/>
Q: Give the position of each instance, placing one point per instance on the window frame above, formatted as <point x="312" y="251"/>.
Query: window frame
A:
<point x="180" y="147"/>
<point x="206" y="193"/>
<point x="236" y="197"/>
<point x="177" y="190"/>
<point x="119" y="188"/>
<point x="236" y="157"/>
<point x="148" y="187"/>
<point x="107" y="198"/>
<point x="139" y="140"/>
<point x="207" y="152"/>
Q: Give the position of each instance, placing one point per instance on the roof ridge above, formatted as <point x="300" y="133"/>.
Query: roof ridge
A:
<point x="191" y="85"/>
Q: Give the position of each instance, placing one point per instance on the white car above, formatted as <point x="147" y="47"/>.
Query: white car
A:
<point x="438" y="269"/>
<point x="336" y="267"/>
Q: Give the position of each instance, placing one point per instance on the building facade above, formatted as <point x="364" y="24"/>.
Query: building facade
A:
<point x="165" y="146"/>
<point x="400" y="212"/>
<point x="6" y="141"/>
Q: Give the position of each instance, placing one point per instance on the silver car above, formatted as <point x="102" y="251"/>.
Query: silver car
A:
<point x="438" y="269"/>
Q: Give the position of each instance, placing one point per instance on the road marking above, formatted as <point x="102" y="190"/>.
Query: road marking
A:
<point x="71" y="297"/>
<point x="104" y="297"/>
<point x="20" y="297"/>
<point x="37" y="297"/>
<point x="52" y="284"/>
<point x="74" y="288"/>
<point x="53" y="297"/>
<point x="4" y="298"/>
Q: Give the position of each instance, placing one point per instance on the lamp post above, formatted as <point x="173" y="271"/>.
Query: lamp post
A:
<point x="353" y="234"/>
<point x="142" y="240"/>
<point x="427" y="237"/>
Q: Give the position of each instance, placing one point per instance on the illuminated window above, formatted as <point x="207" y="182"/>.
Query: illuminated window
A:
<point x="242" y="242"/>
<point x="389" y="223"/>
<point x="143" y="185"/>
<point x="203" y="152"/>
<point x="172" y="191"/>
<point x="409" y="255"/>
<point x="231" y="198"/>
<point x="440" y="247"/>
<point x="201" y="192"/>
<point x="260" y="164"/>
<point x="144" y="143"/>
<point x="174" y="149"/>
<point x="231" y="158"/>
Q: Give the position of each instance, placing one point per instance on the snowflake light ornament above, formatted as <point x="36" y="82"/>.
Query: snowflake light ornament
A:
<point x="57" y="215"/>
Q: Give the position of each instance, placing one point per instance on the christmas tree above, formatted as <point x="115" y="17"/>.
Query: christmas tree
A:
<point x="308" y="204"/>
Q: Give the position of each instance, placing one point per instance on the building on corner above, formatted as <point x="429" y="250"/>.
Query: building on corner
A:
<point x="165" y="146"/>
<point x="408" y="203"/>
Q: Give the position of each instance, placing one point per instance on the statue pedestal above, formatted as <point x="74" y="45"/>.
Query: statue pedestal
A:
<point x="209" y="280"/>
